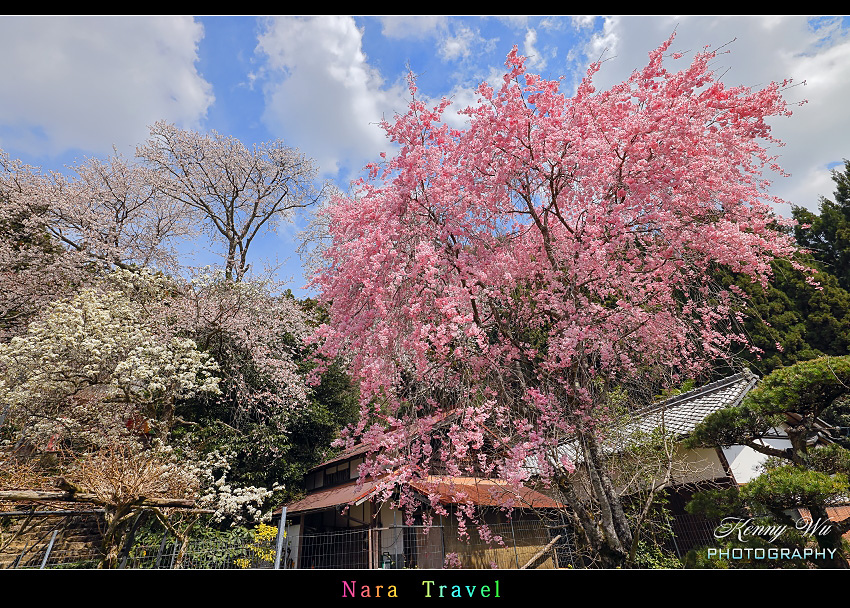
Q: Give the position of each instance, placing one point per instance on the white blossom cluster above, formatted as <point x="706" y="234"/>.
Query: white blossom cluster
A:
<point x="152" y="372"/>
<point x="239" y="505"/>
<point x="87" y="361"/>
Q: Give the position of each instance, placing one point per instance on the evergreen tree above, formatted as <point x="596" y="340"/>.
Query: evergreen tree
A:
<point x="791" y="320"/>
<point x="808" y="475"/>
<point x="828" y="234"/>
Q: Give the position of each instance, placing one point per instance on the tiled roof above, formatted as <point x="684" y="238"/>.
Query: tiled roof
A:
<point x="681" y="414"/>
<point x="678" y="415"/>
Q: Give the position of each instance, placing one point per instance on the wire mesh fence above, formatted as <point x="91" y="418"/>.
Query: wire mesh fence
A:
<point x="690" y="532"/>
<point x="514" y="544"/>
<point x="200" y="554"/>
<point x="509" y="545"/>
<point x="391" y="547"/>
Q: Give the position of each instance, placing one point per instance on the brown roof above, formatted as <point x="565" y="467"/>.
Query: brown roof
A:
<point x="363" y="448"/>
<point x="484" y="493"/>
<point x="357" y="450"/>
<point x="451" y="490"/>
<point x="349" y="493"/>
<point x="837" y="513"/>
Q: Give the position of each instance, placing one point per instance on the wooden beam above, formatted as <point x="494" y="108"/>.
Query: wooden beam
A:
<point x="541" y="552"/>
<point x="20" y="495"/>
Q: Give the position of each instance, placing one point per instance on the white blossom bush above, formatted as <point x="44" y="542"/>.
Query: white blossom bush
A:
<point x="237" y="505"/>
<point x="92" y="367"/>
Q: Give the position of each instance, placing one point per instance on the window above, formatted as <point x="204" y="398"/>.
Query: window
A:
<point x="337" y="475"/>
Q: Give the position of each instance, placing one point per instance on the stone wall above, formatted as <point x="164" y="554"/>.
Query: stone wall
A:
<point x="24" y="538"/>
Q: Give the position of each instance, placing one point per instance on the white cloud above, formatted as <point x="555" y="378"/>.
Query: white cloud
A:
<point x="583" y="21"/>
<point x="322" y="95"/>
<point x="91" y="82"/>
<point x="412" y="26"/>
<point x="765" y="49"/>
<point x="459" y="45"/>
<point x="535" y="57"/>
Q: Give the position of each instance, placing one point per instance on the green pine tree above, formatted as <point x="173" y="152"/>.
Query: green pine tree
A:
<point x="828" y="234"/>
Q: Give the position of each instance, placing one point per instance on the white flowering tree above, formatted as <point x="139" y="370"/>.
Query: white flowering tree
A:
<point x="90" y="372"/>
<point x="97" y="376"/>
<point x="105" y="359"/>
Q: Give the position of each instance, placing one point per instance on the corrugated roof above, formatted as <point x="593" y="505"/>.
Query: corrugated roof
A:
<point x="484" y="493"/>
<point x="359" y="449"/>
<point x="349" y="493"/>
<point x="451" y="490"/>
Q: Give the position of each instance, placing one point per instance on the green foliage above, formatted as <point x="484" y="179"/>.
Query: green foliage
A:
<point x="655" y="534"/>
<point x="788" y="486"/>
<point x="667" y="393"/>
<point x="799" y="477"/>
<point x="833" y="459"/>
<point x="792" y="320"/>
<point x="828" y="237"/>
<point x="732" y="426"/>
<point x="717" y="503"/>
<point x="650" y="555"/>
<point x="806" y="321"/>
<point x="805" y="389"/>
<point x="221" y="548"/>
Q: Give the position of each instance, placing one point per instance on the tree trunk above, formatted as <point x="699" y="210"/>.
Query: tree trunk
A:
<point x="829" y="538"/>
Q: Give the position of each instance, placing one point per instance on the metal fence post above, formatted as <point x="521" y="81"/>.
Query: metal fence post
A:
<point x="21" y="556"/>
<point x="49" y="549"/>
<point x="161" y="549"/>
<point x="513" y="536"/>
<point x="175" y="550"/>
<point x="128" y="544"/>
<point x="281" y="534"/>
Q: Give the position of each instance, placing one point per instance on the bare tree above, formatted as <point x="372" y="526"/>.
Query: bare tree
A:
<point x="237" y="193"/>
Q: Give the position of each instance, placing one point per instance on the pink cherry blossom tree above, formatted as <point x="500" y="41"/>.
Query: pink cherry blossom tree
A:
<point x="490" y="287"/>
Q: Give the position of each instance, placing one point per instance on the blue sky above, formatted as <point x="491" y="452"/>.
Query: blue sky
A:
<point x="76" y="86"/>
